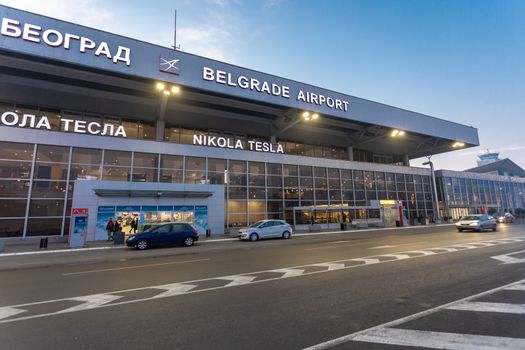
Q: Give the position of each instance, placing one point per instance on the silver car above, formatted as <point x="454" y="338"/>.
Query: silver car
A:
<point x="504" y="218"/>
<point x="477" y="222"/>
<point x="266" y="229"/>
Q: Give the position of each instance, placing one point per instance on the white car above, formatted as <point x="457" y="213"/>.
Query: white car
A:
<point x="476" y="223"/>
<point x="266" y="229"/>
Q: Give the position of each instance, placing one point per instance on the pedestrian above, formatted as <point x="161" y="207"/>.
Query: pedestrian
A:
<point x="116" y="228"/>
<point x="109" y="229"/>
<point x="134" y="225"/>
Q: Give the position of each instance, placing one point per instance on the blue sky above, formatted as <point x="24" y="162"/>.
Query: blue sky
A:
<point x="460" y="60"/>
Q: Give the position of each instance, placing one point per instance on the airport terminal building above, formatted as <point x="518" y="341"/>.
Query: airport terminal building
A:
<point x="124" y="128"/>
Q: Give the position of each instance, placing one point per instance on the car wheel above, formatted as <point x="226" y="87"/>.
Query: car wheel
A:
<point x="188" y="241"/>
<point x="495" y="228"/>
<point x="254" y="237"/>
<point x="286" y="235"/>
<point x="142" y="244"/>
<point x="460" y="229"/>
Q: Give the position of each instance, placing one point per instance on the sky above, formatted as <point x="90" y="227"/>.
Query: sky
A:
<point x="459" y="60"/>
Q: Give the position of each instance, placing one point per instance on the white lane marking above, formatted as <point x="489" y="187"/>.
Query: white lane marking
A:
<point x="424" y="252"/>
<point x="336" y="242"/>
<point x="440" y="340"/>
<point x="370" y="230"/>
<point x="353" y="336"/>
<point x="384" y="246"/>
<point x="480" y="306"/>
<point x="174" y="289"/>
<point x="466" y="246"/>
<point x="447" y="249"/>
<point x="68" y="250"/>
<point x="509" y="259"/>
<point x="91" y="302"/>
<point x="132" y="267"/>
<point x="397" y="256"/>
<point x="9" y="311"/>
<point x="331" y="266"/>
<point x="367" y="261"/>
<point x="236" y="280"/>
<point x="517" y="287"/>
<point x="289" y="272"/>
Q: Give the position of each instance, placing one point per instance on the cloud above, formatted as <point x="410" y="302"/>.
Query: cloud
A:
<point x="93" y="13"/>
<point x="211" y="35"/>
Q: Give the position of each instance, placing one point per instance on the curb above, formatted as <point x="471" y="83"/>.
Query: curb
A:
<point x="75" y="250"/>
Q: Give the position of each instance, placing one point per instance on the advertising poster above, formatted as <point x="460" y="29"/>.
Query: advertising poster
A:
<point x="201" y="219"/>
<point x="78" y="232"/>
<point x="104" y="214"/>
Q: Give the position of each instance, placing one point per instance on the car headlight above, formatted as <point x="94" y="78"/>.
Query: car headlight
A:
<point x="458" y="224"/>
<point x="131" y="238"/>
<point x="473" y="224"/>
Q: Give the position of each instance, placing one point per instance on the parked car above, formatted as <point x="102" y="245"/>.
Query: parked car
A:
<point x="504" y="218"/>
<point x="477" y="222"/>
<point x="266" y="229"/>
<point x="165" y="234"/>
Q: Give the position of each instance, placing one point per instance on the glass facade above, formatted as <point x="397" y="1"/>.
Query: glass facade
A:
<point x="464" y="193"/>
<point x="37" y="183"/>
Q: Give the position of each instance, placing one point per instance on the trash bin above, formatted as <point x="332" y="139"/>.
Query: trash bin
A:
<point x="398" y="223"/>
<point x="344" y="226"/>
<point x="118" y="238"/>
<point x="208" y="233"/>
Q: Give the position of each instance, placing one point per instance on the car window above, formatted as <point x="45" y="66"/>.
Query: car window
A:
<point x="256" y="224"/>
<point x="276" y="223"/>
<point x="178" y="227"/>
<point x="470" y="217"/>
<point x="162" y="229"/>
<point x="266" y="224"/>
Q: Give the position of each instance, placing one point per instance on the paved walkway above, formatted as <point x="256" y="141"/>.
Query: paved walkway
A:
<point x="31" y="246"/>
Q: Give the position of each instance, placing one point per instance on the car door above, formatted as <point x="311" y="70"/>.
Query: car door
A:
<point x="277" y="228"/>
<point x="265" y="230"/>
<point x="178" y="233"/>
<point x="161" y="235"/>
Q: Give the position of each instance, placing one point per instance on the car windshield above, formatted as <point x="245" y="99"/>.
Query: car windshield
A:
<point x="471" y="217"/>
<point x="257" y="224"/>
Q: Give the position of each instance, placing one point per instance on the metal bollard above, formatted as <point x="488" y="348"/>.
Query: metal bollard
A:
<point x="43" y="243"/>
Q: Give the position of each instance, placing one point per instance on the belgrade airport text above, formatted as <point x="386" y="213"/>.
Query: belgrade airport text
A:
<point x="226" y="78"/>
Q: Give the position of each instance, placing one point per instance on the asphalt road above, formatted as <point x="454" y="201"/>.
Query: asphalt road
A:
<point x="390" y="289"/>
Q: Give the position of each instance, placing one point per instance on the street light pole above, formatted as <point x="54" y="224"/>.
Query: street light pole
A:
<point x="436" y="201"/>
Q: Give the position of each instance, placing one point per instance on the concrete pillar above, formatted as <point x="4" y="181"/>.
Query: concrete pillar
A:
<point x="350" y="152"/>
<point x="406" y="160"/>
<point x="160" y="125"/>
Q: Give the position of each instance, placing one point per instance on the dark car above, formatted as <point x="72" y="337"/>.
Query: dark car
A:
<point x="165" y="234"/>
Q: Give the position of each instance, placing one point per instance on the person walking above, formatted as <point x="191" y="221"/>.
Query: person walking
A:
<point x="109" y="229"/>
<point x="116" y="228"/>
<point x="134" y="225"/>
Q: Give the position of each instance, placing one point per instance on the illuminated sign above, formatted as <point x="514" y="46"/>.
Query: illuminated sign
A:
<point x="69" y="125"/>
<point x="54" y="38"/>
<point x="273" y="89"/>
<point x="226" y="142"/>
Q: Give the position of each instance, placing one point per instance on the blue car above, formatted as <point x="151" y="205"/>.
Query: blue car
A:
<point x="165" y="234"/>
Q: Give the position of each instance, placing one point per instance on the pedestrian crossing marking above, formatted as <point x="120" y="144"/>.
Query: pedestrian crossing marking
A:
<point x="479" y="306"/>
<point x="387" y="333"/>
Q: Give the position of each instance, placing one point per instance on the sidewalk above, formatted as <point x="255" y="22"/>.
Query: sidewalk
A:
<point x="31" y="246"/>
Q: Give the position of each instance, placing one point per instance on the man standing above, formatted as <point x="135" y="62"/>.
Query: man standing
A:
<point x="109" y="229"/>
